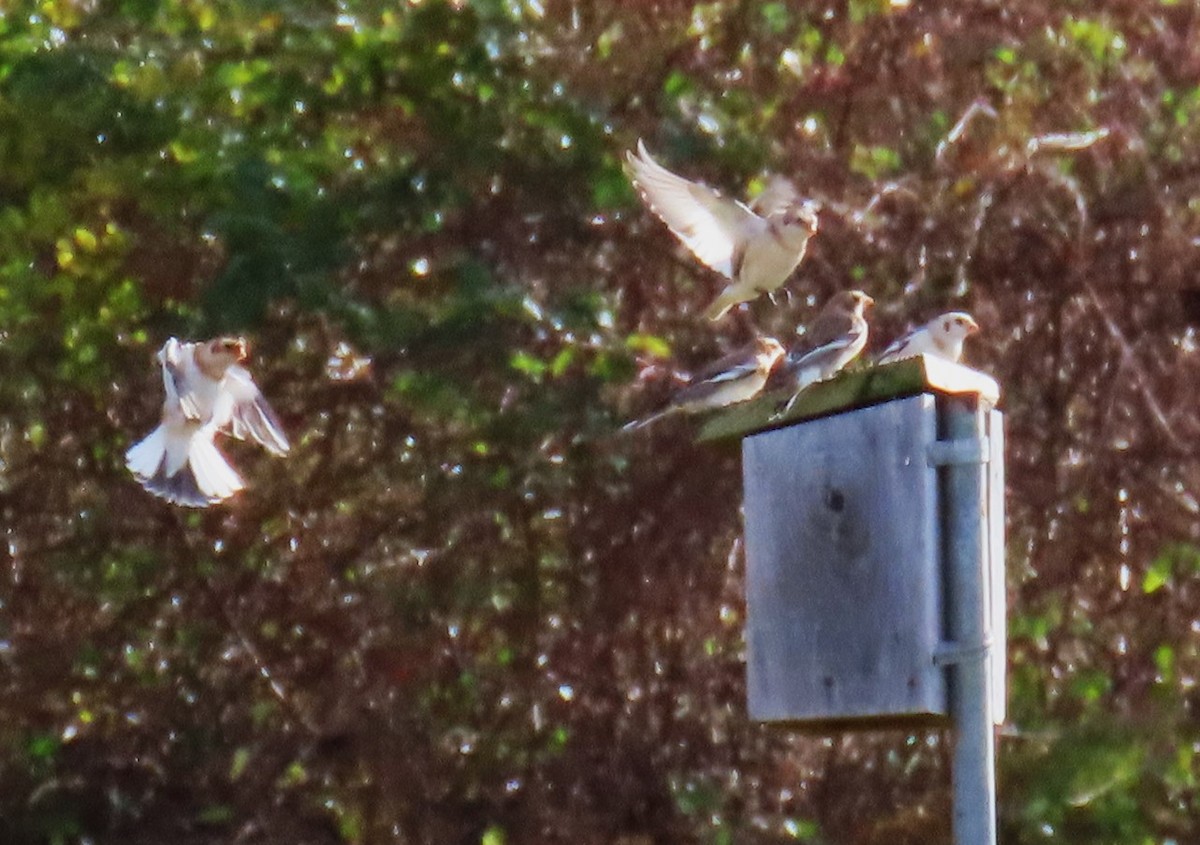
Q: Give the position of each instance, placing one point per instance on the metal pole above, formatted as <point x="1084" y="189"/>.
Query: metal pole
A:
<point x="974" y="774"/>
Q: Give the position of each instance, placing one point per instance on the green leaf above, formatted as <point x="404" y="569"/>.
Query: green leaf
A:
<point x="1100" y="41"/>
<point x="1006" y="55"/>
<point x="611" y="188"/>
<point x="562" y="361"/>
<point x="1090" y="685"/>
<point x="776" y="16"/>
<point x="1164" y="661"/>
<point x="874" y="162"/>
<point x="653" y="345"/>
<point x="802" y="829"/>
<point x="677" y="84"/>
<point x="241" y="759"/>
<point x="1156" y="577"/>
<point x="215" y="814"/>
<point x="43" y="746"/>
<point x="523" y="362"/>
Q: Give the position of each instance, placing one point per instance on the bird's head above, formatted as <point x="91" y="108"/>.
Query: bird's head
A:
<point x="956" y="325"/>
<point x="233" y="346"/>
<point x="854" y="301"/>
<point x="804" y="214"/>
<point x="769" y="351"/>
<point x="216" y="356"/>
<point x="226" y="351"/>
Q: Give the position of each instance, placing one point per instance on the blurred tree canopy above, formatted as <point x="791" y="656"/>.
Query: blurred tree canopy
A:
<point x="465" y="610"/>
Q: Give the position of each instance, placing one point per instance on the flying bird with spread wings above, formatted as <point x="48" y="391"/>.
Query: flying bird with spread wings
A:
<point x="835" y="338"/>
<point x="207" y="392"/>
<point x="736" y="377"/>
<point x="942" y="336"/>
<point x="755" y="249"/>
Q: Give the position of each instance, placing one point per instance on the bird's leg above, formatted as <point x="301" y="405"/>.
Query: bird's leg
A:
<point x="783" y="408"/>
<point x="774" y="294"/>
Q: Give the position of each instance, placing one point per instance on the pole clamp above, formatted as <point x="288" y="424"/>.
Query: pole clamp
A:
<point x="958" y="452"/>
<point x="948" y="652"/>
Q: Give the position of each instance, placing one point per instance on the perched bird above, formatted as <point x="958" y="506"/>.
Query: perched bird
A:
<point x="206" y="392"/>
<point x="755" y="252"/>
<point x="942" y="336"/>
<point x="835" y="338"/>
<point x="738" y="376"/>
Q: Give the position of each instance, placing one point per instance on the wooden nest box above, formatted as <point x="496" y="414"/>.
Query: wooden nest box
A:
<point x="866" y="507"/>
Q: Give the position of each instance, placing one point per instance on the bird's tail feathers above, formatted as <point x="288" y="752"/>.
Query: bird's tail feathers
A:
<point x="645" y="421"/>
<point x="716" y="310"/>
<point x="213" y="474"/>
<point x="146" y="456"/>
<point x="204" y="477"/>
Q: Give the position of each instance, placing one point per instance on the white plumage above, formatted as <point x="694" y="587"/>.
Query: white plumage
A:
<point x="755" y="252"/>
<point x="942" y="336"/>
<point x="206" y="393"/>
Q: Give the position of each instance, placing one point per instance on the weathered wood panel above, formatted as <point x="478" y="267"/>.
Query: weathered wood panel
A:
<point x="844" y="590"/>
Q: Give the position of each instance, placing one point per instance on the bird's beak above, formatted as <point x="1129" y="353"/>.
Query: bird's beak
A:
<point x="867" y="301"/>
<point x="972" y="327"/>
<point x="242" y="350"/>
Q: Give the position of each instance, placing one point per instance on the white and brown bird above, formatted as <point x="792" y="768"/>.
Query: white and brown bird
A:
<point x="207" y="392"/>
<point x="835" y="338"/>
<point x="738" y="376"/>
<point x="756" y="252"/>
<point x="942" y="336"/>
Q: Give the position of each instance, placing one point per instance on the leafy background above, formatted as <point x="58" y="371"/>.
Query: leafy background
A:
<point x="465" y="610"/>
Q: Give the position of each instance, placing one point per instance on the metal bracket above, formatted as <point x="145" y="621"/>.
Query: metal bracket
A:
<point x="947" y="652"/>
<point x="958" y="452"/>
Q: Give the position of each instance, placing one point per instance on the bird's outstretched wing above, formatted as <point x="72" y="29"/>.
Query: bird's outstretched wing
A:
<point x="777" y="197"/>
<point x="251" y="416"/>
<point x="711" y="226"/>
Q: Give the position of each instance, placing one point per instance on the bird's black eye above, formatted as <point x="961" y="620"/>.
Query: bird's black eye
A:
<point x="946" y="325"/>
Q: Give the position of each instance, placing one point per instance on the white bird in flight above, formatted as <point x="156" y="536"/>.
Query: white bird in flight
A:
<point x="756" y="252"/>
<point x="207" y="392"/>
